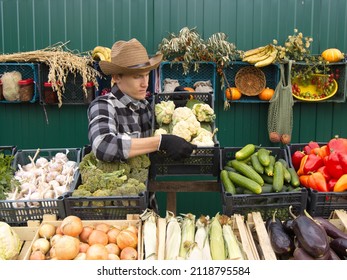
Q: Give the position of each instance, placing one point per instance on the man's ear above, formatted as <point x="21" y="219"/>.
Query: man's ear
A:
<point x="116" y="78"/>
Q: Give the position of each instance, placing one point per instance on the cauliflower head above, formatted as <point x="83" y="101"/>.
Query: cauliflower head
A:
<point x="203" y="112"/>
<point x="182" y="113"/>
<point x="204" y="138"/>
<point x="160" y="131"/>
<point x="186" y="129"/>
<point x="163" y="111"/>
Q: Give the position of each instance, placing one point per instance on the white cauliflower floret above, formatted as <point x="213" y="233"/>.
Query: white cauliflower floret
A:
<point x="181" y="129"/>
<point x="181" y="113"/>
<point x="160" y="131"/>
<point x="163" y="111"/>
<point x="204" y="112"/>
<point x="204" y="138"/>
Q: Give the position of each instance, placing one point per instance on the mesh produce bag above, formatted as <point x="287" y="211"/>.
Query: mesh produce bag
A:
<point x="280" y="114"/>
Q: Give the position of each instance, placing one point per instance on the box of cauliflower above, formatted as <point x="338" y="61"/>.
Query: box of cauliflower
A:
<point x="189" y="115"/>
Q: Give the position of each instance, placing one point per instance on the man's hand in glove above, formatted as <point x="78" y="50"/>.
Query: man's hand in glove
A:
<point x="175" y="146"/>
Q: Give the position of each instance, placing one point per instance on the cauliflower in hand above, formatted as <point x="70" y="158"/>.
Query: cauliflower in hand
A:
<point x="182" y="114"/>
<point x="163" y="111"/>
<point x="204" y="138"/>
<point x="160" y="131"/>
<point x="203" y="112"/>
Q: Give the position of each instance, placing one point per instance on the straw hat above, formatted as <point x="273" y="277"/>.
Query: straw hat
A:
<point x="129" y="57"/>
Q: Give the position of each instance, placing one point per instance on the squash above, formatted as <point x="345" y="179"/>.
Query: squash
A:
<point x="233" y="93"/>
<point x="266" y="94"/>
<point x="332" y="55"/>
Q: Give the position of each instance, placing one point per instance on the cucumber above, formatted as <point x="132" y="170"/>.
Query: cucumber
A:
<point x="247" y="171"/>
<point x="267" y="179"/>
<point x="269" y="170"/>
<point x="278" y="181"/>
<point x="228" y="168"/>
<point x="245" y="182"/>
<point x="256" y="163"/>
<point x="245" y="152"/>
<point x="294" y="179"/>
<point x="264" y="156"/>
<point x="286" y="175"/>
<point x="283" y="161"/>
<point x="267" y="188"/>
<point x="227" y="183"/>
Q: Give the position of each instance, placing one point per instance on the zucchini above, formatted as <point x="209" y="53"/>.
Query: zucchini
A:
<point x="286" y="175"/>
<point x="227" y="183"/>
<point x="264" y="156"/>
<point x="278" y="180"/>
<point x="256" y="163"/>
<point x="247" y="171"/>
<point x="294" y="179"/>
<point x="245" y="152"/>
<point x="245" y="182"/>
<point x="269" y="170"/>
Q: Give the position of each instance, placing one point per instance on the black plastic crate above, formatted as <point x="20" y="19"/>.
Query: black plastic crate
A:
<point x="181" y="98"/>
<point x="340" y="95"/>
<point x="18" y="212"/>
<point x="321" y="204"/>
<point x="271" y="72"/>
<point x="73" y="94"/>
<point x="8" y="150"/>
<point x="107" y="207"/>
<point x="265" y="203"/>
<point x="28" y="71"/>
<point x="197" y="71"/>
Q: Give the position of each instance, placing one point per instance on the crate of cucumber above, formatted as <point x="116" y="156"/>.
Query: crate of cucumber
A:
<point x="254" y="178"/>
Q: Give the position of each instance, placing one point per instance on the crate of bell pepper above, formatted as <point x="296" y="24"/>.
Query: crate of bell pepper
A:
<point x="322" y="169"/>
<point x="255" y="178"/>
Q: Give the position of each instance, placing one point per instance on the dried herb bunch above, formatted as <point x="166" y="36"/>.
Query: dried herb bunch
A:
<point x="61" y="62"/>
<point x="188" y="46"/>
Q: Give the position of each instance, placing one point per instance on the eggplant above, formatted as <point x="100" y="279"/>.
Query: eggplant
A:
<point x="288" y="226"/>
<point x="334" y="256"/>
<point x="332" y="230"/>
<point x="281" y="242"/>
<point x="300" y="254"/>
<point x="311" y="236"/>
<point x="339" y="245"/>
<point x="269" y="221"/>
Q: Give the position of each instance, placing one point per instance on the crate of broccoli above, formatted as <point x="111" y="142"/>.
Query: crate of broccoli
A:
<point x="109" y="190"/>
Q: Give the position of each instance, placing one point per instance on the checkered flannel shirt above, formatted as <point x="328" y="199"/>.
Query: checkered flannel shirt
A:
<point x="114" y="119"/>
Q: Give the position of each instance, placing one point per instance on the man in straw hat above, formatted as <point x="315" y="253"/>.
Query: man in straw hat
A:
<point x="120" y="124"/>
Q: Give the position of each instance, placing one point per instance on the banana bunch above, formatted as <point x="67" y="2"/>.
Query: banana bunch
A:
<point x="261" y="56"/>
<point x="101" y="53"/>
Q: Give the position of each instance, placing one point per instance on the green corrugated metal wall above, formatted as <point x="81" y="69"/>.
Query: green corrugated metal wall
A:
<point x="34" y="24"/>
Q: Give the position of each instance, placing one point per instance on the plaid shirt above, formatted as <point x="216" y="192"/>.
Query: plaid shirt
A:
<point x="114" y="119"/>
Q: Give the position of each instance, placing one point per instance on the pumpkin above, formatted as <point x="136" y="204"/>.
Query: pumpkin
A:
<point x="332" y="55"/>
<point x="233" y="93"/>
<point x="266" y="94"/>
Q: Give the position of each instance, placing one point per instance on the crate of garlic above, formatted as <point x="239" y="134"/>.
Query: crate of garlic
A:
<point x="41" y="179"/>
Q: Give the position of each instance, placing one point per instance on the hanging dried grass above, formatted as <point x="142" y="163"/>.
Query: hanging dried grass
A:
<point x="61" y="62"/>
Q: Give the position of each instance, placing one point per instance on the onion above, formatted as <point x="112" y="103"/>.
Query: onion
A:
<point x="47" y="231"/>
<point x="128" y="253"/>
<point x="112" y="235"/>
<point x="81" y="256"/>
<point x="126" y="238"/>
<point x="103" y="227"/>
<point x="97" y="237"/>
<point x="84" y="247"/>
<point x="41" y="244"/>
<point x="113" y="248"/>
<point x="97" y="252"/>
<point x="72" y="226"/>
<point x="67" y="248"/>
<point x="133" y="228"/>
<point x="113" y="257"/>
<point x="86" y="231"/>
<point x="55" y="239"/>
<point x="37" y="255"/>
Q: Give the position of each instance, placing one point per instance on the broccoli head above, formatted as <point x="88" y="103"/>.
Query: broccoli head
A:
<point x="140" y="174"/>
<point x="140" y="161"/>
<point x="87" y="161"/>
<point x="81" y="192"/>
<point x="101" y="193"/>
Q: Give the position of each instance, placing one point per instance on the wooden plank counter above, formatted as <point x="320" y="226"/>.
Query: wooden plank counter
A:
<point x="173" y="187"/>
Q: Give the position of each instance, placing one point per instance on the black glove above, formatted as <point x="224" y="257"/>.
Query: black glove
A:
<point x="176" y="147"/>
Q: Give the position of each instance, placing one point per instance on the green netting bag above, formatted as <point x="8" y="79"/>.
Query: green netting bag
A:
<point x="280" y="114"/>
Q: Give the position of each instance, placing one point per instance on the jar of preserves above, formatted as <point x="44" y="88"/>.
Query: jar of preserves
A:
<point x="89" y="95"/>
<point x="49" y="95"/>
<point x="26" y="89"/>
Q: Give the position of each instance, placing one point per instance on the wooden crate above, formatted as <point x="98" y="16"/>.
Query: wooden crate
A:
<point x="339" y="219"/>
<point x="256" y="225"/>
<point x="26" y="235"/>
<point x="132" y="219"/>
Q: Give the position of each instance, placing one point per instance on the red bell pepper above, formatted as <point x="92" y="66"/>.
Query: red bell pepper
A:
<point x="296" y="159"/>
<point x="331" y="184"/>
<point x="338" y="145"/>
<point x="317" y="182"/>
<point x="332" y="162"/>
<point x="324" y="170"/>
<point x="304" y="180"/>
<point x="343" y="161"/>
<point x="311" y="145"/>
<point x="302" y="164"/>
<point x="313" y="163"/>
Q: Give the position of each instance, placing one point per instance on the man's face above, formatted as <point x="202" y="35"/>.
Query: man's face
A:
<point x="134" y="85"/>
